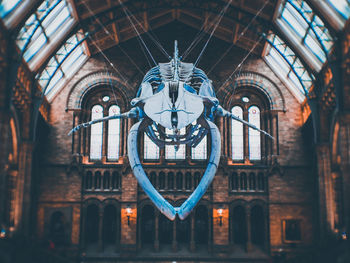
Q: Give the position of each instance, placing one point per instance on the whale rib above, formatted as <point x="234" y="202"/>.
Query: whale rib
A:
<point x="185" y="209"/>
<point x="159" y="201"/>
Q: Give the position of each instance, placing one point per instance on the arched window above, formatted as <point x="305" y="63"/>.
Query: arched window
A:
<point x="234" y="182"/>
<point x="106" y="180"/>
<point x="116" y="181"/>
<point x="247" y="144"/>
<point x="113" y="134"/>
<point x="88" y="180"/>
<point x="97" y="181"/>
<point x="150" y="149"/>
<point x="237" y="135"/>
<point x="253" y="135"/>
<point x="170" y="181"/>
<point x="161" y="181"/>
<point x="188" y="181"/>
<point x="179" y="181"/>
<point x="243" y="181"/>
<point x="252" y="182"/>
<point x="96" y="133"/>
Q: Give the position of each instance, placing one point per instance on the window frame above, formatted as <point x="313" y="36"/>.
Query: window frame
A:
<point x="255" y="99"/>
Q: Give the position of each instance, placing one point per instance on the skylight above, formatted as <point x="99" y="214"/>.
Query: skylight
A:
<point x="307" y="28"/>
<point x="7" y="6"/>
<point x="62" y="65"/>
<point x="285" y="62"/>
<point x="39" y="29"/>
<point x="342" y="7"/>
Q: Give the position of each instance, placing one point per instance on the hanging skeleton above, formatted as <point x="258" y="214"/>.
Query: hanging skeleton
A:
<point x="174" y="95"/>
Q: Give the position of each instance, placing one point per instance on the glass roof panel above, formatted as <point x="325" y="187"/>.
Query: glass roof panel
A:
<point x="46" y="21"/>
<point x="7" y="6"/>
<point x="63" y="64"/>
<point x="288" y="64"/>
<point x="308" y="27"/>
<point x="342" y="7"/>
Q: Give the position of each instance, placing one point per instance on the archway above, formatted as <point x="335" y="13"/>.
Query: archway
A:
<point x="57" y="229"/>
<point x="201" y="225"/>
<point x="257" y="221"/>
<point x="110" y="226"/>
<point x="147" y="225"/>
<point x="92" y="220"/>
<point x="165" y="235"/>
<point x="239" y="225"/>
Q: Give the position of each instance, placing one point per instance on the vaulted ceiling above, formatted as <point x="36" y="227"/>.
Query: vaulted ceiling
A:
<point x="241" y="23"/>
<point x="295" y="37"/>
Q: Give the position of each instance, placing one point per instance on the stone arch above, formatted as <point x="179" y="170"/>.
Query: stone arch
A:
<point x="258" y="81"/>
<point x="89" y="82"/>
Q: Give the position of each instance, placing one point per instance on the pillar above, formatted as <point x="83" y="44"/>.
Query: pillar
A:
<point x="249" y="234"/>
<point x="100" y="230"/>
<point x="174" y="243"/>
<point x="192" y="241"/>
<point x="156" y="231"/>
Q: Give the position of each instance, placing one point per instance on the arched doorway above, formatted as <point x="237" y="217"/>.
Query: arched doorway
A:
<point x="257" y="221"/>
<point x="239" y="225"/>
<point x="165" y="230"/>
<point x="110" y="226"/>
<point x="147" y="225"/>
<point x="91" y="228"/>
<point x="183" y="232"/>
<point x="57" y="229"/>
<point x="201" y="225"/>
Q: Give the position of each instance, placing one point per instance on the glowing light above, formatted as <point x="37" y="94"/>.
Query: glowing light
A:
<point x="245" y="99"/>
<point x="105" y="98"/>
<point x="344" y="236"/>
<point x="2" y="233"/>
<point x="220" y="211"/>
<point x="128" y="210"/>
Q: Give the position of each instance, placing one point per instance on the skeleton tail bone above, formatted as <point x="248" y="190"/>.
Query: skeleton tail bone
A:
<point x="222" y="112"/>
<point x="129" y="114"/>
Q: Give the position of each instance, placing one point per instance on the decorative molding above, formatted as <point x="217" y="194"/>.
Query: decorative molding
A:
<point x="91" y="81"/>
<point x="260" y="82"/>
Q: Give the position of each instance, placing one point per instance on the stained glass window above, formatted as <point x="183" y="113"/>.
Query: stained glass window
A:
<point x="96" y="133"/>
<point x="237" y="135"/>
<point x="253" y="135"/>
<point x="113" y="134"/>
<point x="171" y="152"/>
<point x="150" y="149"/>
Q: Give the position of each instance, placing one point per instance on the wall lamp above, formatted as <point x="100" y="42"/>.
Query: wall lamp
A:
<point x="220" y="211"/>
<point x="128" y="213"/>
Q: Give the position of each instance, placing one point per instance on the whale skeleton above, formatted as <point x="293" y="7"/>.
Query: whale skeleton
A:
<point x="174" y="95"/>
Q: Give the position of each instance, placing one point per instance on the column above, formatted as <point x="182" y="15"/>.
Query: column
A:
<point x="117" y="238"/>
<point x="83" y="228"/>
<point x="249" y="242"/>
<point x="156" y="231"/>
<point x="192" y="242"/>
<point x="324" y="174"/>
<point x="24" y="188"/>
<point x="100" y="229"/>
<point x="174" y="243"/>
